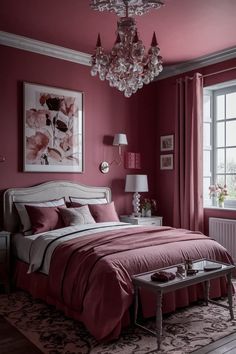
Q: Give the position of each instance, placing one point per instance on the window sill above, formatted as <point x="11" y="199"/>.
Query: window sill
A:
<point x="218" y="208"/>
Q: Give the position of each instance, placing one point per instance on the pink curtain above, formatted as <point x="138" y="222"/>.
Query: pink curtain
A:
<point x="188" y="189"/>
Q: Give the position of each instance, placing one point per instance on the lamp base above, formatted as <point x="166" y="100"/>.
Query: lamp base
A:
<point x="136" y="204"/>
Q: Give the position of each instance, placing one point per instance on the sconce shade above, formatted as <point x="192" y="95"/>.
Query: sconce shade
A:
<point x="120" y="139"/>
<point x="136" y="183"/>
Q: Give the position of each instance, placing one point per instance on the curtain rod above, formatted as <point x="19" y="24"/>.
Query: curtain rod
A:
<point x="211" y="74"/>
<point x="220" y="71"/>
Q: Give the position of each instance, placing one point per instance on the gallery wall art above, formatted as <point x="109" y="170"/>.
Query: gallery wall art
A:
<point x="53" y="129"/>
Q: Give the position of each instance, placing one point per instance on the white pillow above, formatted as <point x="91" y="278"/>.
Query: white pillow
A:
<point x="84" y="201"/>
<point x="24" y="217"/>
<point x="75" y="216"/>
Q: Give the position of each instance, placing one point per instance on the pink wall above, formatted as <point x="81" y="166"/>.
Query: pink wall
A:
<point x="106" y="112"/>
<point x="164" y="96"/>
<point x="144" y="118"/>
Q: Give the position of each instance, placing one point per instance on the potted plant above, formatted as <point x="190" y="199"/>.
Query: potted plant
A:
<point x="220" y="192"/>
<point x="148" y="206"/>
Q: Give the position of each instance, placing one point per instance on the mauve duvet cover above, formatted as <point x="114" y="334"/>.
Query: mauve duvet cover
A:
<point x="90" y="278"/>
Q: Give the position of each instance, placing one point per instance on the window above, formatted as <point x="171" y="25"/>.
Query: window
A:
<point x="219" y="141"/>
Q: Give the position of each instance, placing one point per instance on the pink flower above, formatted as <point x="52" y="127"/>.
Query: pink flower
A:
<point x="35" y="145"/>
<point x="37" y="119"/>
<point x="69" y="107"/>
<point x="216" y="190"/>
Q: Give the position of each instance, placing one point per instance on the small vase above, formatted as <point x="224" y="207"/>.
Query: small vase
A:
<point x="214" y="201"/>
<point x="143" y="213"/>
<point x="221" y="204"/>
<point x="148" y="213"/>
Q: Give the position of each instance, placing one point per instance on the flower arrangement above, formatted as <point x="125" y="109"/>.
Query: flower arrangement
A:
<point x="216" y="190"/>
<point x="148" y="206"/>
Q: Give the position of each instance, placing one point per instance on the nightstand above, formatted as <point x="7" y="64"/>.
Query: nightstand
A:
<point x="5" y="260"/>
<point x="152" y="220"/>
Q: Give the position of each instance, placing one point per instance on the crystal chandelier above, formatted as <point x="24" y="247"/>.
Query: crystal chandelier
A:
<point x="127" y="67"/>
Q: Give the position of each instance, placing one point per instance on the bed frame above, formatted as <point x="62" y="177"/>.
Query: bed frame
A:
<point x="43" y="192"/>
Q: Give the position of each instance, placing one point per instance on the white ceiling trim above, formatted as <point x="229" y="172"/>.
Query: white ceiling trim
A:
<point x="195" y="64"/>
<point x="55" y="51"/>
<point x="51" y="50"/>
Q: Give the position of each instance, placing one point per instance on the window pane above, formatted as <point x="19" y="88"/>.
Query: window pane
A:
<point x="220" y="134"/>
<point x="231" y="185"/>
<point x="220" y="107"/>
<point x="231" y="133"/>
<point x="231" y="160"/>
<point x="220" y="179"/>
<point x="206" y="107"/>
<point x="231" y="105"/>
<point x="207" y="163"/>
<point x="220" y="161"/>
<point x="207" y="135"/>
<point x="206" y="184"/>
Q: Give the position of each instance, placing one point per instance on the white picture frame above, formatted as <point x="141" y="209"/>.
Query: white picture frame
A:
<point x="53" y="129"/>
<point x="166" y="162"/>
<point x="167" y="142"/>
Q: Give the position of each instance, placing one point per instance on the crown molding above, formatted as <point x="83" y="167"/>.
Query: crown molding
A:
<point x="194" y="64"/>
<point x="39" y="47"/>
<point x="55" y="51"/>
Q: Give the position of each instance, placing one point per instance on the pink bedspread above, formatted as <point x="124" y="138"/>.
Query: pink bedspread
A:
<point x="92" y="279"/>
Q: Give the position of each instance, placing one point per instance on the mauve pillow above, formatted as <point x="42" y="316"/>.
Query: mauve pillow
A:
<point x="75" y="216"/>
<point x="104" y="212"/>
<point x="44" y="218"/>
<point x="75" y="205"/>
<point x="24" y="217"/>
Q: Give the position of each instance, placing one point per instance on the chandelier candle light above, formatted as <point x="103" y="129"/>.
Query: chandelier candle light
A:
<point x="127" y="67"/>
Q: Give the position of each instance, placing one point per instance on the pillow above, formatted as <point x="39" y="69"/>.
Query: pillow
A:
<point x="85" y="201"/>
<point x="24" y="217"/>
<point x="104" y="212"/>
<point x="44" y="218"/>
<point x="75" y="216"/>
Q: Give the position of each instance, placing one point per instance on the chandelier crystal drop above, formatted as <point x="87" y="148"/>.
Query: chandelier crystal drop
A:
<point x="127" y="67"/>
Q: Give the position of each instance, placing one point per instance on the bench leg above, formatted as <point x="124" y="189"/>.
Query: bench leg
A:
<point x="159" y="319"/>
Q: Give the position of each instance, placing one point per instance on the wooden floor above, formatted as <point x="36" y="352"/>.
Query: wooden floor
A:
<point x="13" y="342"/>
<point x="222" y="346"/>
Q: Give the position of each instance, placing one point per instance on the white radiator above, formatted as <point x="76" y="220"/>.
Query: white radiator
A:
<point x="224" y="232"/>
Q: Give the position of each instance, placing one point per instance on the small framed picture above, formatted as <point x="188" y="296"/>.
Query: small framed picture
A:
<point x="166" y="162"/>
<point x="167" y="143"/>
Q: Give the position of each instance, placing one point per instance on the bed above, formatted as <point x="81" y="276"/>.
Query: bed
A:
<point x="85" y="269"/>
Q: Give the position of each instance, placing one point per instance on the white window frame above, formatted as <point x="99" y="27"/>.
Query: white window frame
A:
<point x="213" y="92"/>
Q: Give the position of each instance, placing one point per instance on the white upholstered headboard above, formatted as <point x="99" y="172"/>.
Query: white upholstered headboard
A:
<point x="43" y="192"/>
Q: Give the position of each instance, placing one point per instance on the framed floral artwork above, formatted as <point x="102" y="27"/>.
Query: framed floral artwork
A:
<point x="53" y="129"/>
<point x="167" y="143"/>
<point x="166" y="162"/>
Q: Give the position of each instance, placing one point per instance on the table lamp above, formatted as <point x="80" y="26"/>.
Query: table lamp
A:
<point x="136" y="184"/>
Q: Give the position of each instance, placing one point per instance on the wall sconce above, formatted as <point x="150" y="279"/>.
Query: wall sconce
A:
<point x="136" y="184"/>
<point x="119" y="140"/>
<point x="2" y="158"/>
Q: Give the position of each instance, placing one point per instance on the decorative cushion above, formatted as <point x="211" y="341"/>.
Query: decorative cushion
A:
<point x="44" y="218"/>
<point x="24" y="217"/>
<point x="85" y="201"/>
<point x="75" y="216"/>
<point x="104" y="212"/>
